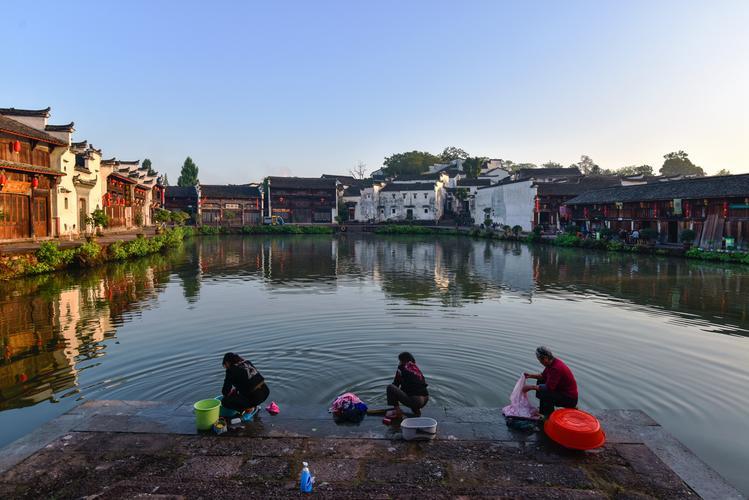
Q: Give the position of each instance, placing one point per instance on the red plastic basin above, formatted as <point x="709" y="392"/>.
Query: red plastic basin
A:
<point x="575" y="429"/>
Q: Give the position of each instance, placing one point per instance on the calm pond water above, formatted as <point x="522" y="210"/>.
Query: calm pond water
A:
<point x="321" y="315"/>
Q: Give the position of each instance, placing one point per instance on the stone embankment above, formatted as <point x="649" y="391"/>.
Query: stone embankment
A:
<point x="130" y="449"/>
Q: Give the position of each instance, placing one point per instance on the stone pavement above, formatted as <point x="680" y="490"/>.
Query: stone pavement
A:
<point x="131" y="449"/>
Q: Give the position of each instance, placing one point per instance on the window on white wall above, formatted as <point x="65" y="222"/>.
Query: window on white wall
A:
<point x="426" y="210"/>
<point x="66" y="203"/>
<point x="425" y="196"/>
<point x="392" y="211"/>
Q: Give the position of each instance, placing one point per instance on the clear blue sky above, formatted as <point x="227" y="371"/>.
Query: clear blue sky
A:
<point x="303" y="88"/>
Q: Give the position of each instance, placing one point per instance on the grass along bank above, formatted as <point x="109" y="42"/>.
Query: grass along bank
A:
<point x="50" y="257"/>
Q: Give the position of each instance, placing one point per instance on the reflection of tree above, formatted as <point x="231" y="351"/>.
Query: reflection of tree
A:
<point x="189" y="273"/>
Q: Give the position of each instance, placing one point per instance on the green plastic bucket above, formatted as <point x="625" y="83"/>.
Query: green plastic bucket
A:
<point x="206" y="413"/>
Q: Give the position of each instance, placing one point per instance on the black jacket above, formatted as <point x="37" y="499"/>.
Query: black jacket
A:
<point x="244" y="377"/>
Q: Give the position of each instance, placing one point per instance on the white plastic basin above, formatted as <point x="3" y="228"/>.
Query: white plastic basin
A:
<point x="418" y="428"/>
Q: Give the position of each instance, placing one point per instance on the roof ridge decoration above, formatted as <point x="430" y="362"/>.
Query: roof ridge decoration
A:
<point x="68" y="127"/>
<point x="41" y="113"/>
<point x="130" y="162"/>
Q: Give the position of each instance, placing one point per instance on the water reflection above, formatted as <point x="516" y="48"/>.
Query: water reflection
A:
<point x="50" y="324"/>
<point x="321" y="315"/>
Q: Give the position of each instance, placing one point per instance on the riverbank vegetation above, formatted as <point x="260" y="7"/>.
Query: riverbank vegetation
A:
<point x="49" y="257"/>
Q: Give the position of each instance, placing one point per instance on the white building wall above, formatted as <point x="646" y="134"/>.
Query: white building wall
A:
<point x="510" y="204"/>
<point x="425" y="205"/>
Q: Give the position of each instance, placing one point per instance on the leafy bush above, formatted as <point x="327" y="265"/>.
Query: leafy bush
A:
<point x="516" y="230"/>
<point x="49" y="253"/>
<point x="404" y="230"/>
<point x="116" y="251"/>
<point x="616" y="246"/>
<point x="179" y="217"/>
<point x="567" y="240"/>
<point x="138" y="219"/>
<point x="98" y="218"/>
<point x="88" y="254"/>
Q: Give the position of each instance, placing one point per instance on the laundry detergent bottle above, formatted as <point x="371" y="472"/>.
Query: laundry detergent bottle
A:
<point x="306" y="480"/>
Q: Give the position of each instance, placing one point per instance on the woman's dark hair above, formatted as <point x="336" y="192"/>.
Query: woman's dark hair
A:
<point x="231" y="358"/>
<point x="405" y="357"/>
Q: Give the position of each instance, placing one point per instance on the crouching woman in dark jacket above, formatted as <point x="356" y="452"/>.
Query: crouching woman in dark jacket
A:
<point x="244" y="388"/>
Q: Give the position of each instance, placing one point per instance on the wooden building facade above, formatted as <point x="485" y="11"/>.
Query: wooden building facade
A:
<point x="184" y="198"/>
<point x="230" y="205"/>
<point x="716" y="208"/>
<point x="27" y="181"/>
<point x="302" y="200"/>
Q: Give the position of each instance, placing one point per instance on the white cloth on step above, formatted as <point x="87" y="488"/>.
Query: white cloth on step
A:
<point x="519" y="405"/>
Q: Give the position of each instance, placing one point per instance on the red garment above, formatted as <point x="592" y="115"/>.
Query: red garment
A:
<point x="559" y="378"/>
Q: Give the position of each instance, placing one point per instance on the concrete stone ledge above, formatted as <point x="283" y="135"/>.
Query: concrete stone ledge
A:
<point x="116" y="449"/>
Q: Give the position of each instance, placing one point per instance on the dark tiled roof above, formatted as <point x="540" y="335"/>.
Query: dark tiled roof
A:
<point x="352" y="191"/>
<point x="84" y="182"/>
<point x="414" y="186"/>
<point x="41" y="113"/>
<point x="79" y="145"/>
<point x="528" y="173"/>
<point x="229" y="191"/>
<point x="474" y="182"/>
<point x="419" y="177"/>
<point x="181" y="192"/>
<point x="343" y="179"/>
<point x="133" y="162"/>
<point x="728" y="186"/>
<point x="60" y="128"/>
<point x="29" y="168"/>
<point x="17" y="128"/>
<point x="301" y="183"/>
<point x="576" y="186"/>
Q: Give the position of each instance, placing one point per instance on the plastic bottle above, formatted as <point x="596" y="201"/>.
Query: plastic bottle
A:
<point x="306" y="480"/>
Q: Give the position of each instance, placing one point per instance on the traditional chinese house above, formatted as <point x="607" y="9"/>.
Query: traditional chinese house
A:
<point x="184" y="198"/>
<point x="716" y="208"/>
<point x="27" y="178"/>
<point x="302" y="199"/>
<point x="230" y="205"/>
<point x="119" y="193"/>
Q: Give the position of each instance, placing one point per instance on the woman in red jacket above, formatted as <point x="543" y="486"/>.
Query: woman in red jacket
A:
<point x="556" y="385"/>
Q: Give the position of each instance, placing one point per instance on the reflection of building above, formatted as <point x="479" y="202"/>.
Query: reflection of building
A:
<point x="47" y="329"/>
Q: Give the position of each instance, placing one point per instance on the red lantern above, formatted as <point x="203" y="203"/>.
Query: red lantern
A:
<point x="17" y="146"/>
<point x="586" y="213"/>
<point x="3" y="179"/>
<point x="538" y="205"/>
<point x="35" y="182"/>
<point x="725" y="209"/>
<point x="606" y="211"/>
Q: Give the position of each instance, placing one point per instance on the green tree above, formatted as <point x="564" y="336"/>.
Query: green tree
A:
<point x="189" y="174"/>
<point x="451" y="153"/>
<point x="678" y="163"/>
<point x="147" y="164"/>
<point x="588" y="167"/>
<point x="635" y="170"/>
<point x="513" y="167"/>
<point x="409" y="163"/>
<point x="472" y="166"/>
<point x="552" y="164"/>
<point x="723" y="171"/>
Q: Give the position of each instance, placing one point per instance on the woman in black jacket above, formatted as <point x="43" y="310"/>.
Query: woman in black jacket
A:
<point x="244" y="388"/>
